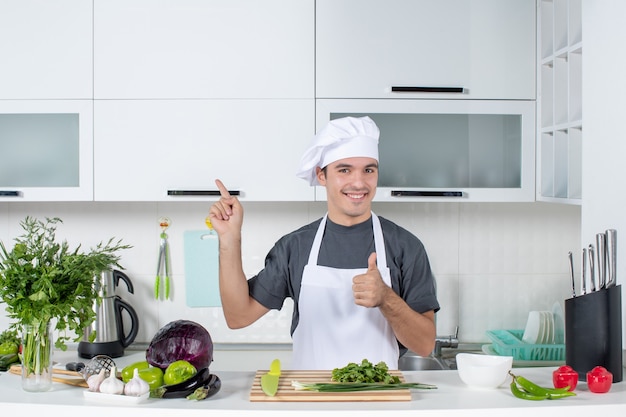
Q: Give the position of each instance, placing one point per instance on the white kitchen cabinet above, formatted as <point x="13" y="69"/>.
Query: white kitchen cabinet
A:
<point x="559" y="103"/>
<point x="203" y="49"/>
<point x="46" y="49"/>
<point x="173" y="150"/>
<point x="448" y="150"/>
<point x="46" y="150"/>
<point x="486" y="48"/>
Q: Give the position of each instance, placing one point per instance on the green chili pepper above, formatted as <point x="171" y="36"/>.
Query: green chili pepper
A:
<point x="525" y="395"/>
<point x="528" y="390"/>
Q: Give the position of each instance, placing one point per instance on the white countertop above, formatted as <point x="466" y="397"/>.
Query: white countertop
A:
<point x="451" y="397"/>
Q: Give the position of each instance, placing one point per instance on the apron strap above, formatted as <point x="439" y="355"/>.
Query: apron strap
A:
<point x="379" y="242"/>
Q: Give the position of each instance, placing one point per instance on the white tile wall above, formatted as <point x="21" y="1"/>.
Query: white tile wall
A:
<point x="493" y="261"/>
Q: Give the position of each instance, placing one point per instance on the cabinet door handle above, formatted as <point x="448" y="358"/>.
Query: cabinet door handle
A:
<point x="178" y="193"/>
<point x="406" y="193"/>
<point x="401" y="89"/>
<point x="9" y="193"/>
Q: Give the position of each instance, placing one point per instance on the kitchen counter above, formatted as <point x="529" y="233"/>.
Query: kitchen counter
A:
<point x="451" y="397"/>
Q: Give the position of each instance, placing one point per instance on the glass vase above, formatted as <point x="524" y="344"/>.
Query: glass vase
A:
<point x="37" y="357"/>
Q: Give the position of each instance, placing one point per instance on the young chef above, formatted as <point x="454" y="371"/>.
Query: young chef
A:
<point x="362" y="286"/>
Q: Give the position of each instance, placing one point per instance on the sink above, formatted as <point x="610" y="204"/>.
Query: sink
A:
<point x="423" y="363"/>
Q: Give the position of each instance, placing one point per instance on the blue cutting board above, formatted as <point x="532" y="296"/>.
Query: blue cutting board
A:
<point x="202" y="268"/>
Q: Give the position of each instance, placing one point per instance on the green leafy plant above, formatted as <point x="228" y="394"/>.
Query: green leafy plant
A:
<point x="44" y="281"/>
<point x="364" y="372"/>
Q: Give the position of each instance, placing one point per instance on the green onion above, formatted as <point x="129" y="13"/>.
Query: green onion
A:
<point x="358" y="386"/>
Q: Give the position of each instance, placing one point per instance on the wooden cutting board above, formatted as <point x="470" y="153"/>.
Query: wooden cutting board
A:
<point x="63" y="379"/>
<point x="287" y="393"/>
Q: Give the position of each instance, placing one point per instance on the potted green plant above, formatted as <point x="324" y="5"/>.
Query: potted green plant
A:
<point x="46" y="285"/>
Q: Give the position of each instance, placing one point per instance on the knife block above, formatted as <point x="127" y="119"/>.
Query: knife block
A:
<point x="593" y="332"/>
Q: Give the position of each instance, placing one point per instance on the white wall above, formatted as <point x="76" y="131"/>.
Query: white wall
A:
<point x="493" y="261"/>
<point x="604" y="114"/>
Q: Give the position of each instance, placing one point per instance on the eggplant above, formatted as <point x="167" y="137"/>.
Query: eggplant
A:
<point x="209" y="389"/>
<point x="184" y="388"/>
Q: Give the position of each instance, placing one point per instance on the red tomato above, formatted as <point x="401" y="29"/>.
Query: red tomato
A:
<point x="565" y="376"/>
<point x="599" y="380"/>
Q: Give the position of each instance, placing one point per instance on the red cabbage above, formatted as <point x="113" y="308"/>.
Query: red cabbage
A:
<point x="181" y="340"/>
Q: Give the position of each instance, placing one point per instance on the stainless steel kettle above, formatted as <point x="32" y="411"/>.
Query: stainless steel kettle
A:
<point x="110" y="335"/>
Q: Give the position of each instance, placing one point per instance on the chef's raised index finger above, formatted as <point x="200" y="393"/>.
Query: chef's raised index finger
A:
<point x="223" y="190"/>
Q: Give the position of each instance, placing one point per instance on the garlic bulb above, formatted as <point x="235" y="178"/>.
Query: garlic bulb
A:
<point x="112" y="385"/>
<point x="136" y="387"/>
<point x="94" y="381"/>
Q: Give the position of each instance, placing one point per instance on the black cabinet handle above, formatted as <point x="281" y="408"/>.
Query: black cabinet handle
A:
<point x="400" y="89"/>
<point x="10" y="193"/>
<point x="178" y="193"/>
<point x="404" y="193"/>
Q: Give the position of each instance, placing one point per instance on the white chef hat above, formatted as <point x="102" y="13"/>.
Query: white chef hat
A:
<point x="347" y="137"/>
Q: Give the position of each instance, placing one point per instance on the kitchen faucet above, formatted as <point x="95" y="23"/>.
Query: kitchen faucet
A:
<point x="450" y="341"/>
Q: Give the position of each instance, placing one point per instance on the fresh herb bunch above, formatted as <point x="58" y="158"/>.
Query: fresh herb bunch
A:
<point x="42" y="280"/>
<point x="365" y="372"/>
<point x="9" y="336"/>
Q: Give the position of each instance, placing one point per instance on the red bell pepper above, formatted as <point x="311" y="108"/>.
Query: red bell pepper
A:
<point x="565" y="376"/>
<point x="599" y="380"/>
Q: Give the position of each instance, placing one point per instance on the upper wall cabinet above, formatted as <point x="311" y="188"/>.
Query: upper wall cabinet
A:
<point x="46" y="150"/>
<point x="173" y="150"/>
<point x="46" y="49"/>
<point x="203" y="49"/>
<point x="468" y="49"/>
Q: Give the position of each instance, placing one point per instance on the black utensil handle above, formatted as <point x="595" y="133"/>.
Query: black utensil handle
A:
<point x="75" y="366"/>
<point x="419" y="89"/>
<point x="406" y="193"/>
<point x="178" y="193"/>
<point x="10" y="193"/>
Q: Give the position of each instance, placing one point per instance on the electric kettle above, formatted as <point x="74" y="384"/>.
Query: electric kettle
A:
<point x="110" y="335"/>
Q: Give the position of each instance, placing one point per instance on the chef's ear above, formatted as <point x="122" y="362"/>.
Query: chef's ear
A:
<point x="321" y="175"/>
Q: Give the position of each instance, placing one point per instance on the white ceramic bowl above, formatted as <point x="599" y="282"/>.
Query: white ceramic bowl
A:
<point x="483" y="371"/>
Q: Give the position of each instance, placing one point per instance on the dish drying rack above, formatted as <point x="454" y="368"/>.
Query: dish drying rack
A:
<point x="510" y="343"/>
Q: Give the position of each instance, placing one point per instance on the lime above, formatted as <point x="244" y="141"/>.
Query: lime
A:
<point x="178" y="371"/>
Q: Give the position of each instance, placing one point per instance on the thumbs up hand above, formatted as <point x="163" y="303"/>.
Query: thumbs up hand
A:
<point x="369" y="289"/>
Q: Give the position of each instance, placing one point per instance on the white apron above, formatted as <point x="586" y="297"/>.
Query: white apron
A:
<point x="334" y="331"/>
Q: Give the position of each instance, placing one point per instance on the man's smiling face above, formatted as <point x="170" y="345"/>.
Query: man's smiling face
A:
<point x="350" y="187"/>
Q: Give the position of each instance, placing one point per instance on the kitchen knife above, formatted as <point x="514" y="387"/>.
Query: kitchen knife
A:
<point x="592" y="269"/>
<point x="270" y="380"/>
<point x="571" y="272"/>
<point x="583" y="274"/>
<point x="611" y="257"/>
<point x="601" y="254"/>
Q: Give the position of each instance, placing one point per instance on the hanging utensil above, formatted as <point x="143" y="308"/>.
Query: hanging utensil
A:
<point x="571" y="272"/>
<point x="163" y="265"/>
